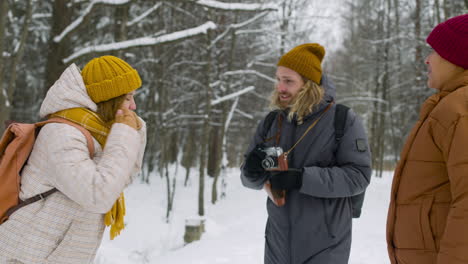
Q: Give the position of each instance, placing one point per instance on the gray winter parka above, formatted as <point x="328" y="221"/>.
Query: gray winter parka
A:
<point x="314" y="227"/>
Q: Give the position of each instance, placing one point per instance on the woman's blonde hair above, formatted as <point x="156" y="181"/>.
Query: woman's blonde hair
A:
<point x="107" y="109"/>
<point x="309" y="96"/>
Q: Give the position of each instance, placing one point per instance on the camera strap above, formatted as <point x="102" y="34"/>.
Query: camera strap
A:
<point x="307" y="131"/>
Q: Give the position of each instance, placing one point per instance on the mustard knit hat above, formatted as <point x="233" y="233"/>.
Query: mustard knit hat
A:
<point x="305" y="59"/>
<point x="108" y="77"/>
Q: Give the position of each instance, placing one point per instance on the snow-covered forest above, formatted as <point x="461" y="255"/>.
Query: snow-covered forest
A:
<point x="208" y="70"/>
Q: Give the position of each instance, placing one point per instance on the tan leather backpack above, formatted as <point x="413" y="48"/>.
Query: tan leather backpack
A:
<point x="15" y="146"/>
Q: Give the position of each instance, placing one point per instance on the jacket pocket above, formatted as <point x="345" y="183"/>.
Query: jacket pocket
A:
<point x="412" y="225"/>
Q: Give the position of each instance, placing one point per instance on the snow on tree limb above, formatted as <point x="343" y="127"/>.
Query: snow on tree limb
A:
<point x="249" y="116"/>
<point x="361" y="98"/>
<point x="144" y="15"/>
<point x="5" y="95"/>
<point x="236" y="26"/>
<point x="244" y="72"/>
<point x="141" y="42"/>
<point x="236" y="6"/>
<point x="77" y="22"/>
<point x="233" y="95"/>
<point x="229" y="116"/>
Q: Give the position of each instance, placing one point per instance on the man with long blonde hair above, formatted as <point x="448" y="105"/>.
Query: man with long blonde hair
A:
<point x="309" y="172"/>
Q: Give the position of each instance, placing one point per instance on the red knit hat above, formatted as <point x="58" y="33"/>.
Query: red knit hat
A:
<point x="450" y="40"/>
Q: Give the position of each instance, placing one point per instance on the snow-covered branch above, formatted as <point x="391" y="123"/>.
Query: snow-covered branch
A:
<point x="370" y="99"/>
<point x="41" y="15"/>
<point x="236" y="26"/>
<point x="236" y="6"/>
<point x="144" y="15"/>
<point x="178" y="9"/>
<point x="259" y="63"/>
<point x="242" y="113"/>
<point x="141" y="42"/>
<point x="244" y="72"/>
<point x="86" y="13"/>
<point x="188" y="117"/>
<point x="229" y="116"/>
<point x="233" y="95"/>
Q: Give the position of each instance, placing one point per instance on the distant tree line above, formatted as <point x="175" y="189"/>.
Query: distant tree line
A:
<point x="208" y="68"/>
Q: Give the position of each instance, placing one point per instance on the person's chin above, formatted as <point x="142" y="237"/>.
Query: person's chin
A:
<point x="284" y="103"/>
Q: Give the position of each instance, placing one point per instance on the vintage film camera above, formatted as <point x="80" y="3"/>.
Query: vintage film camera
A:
<point x="275" y="160"/>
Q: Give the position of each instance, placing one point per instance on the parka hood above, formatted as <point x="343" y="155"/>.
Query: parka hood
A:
<point x="330" y="89"/>
<point x="69" y="91"/>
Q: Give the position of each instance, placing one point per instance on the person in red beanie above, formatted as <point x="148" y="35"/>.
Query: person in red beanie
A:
<point x="428" y="213"/>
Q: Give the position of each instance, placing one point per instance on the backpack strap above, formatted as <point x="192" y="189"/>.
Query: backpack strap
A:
<point x="29" y="201"/>
<point x="341" y="114"/>
<point x="86" y="133"/>
<point x="90" y="144"/>
<point x="268" y="123"/>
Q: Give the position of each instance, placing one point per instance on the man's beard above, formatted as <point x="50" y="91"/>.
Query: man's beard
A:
<point x="286" y="104"/>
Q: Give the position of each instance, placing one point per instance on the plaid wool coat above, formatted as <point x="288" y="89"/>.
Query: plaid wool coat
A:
<point x="67" y="227"/>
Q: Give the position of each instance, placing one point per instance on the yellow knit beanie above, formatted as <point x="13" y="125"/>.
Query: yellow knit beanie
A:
<point x="305" y="59"/>
<point x="108" y="77"/>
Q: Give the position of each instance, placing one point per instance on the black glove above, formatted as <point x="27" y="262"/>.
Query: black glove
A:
<point x="286" y="180"/>
<point x="253" y="162"/>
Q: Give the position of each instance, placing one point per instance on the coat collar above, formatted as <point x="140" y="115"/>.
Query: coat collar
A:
<point x="460" y="80"/>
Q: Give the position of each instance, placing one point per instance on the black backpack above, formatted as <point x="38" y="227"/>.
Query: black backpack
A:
<point x="341" y="114"/>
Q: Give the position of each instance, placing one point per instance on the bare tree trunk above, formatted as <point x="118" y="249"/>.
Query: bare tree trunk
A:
<point x="385" y="86"/>
<point x="170" y="192"/>
<point x="378" y="115"/>
<point x="446" y="10"/>
<point x="286" y="16"/>
<point x="187" y="176"/>
<point x="61" y="18"/>
<point x="206" y="128"/>
<point x="398" y="123"/>
<point x="466" y="5"/>
<point x="189" y="152"/>
<point x="4" y="101"/>
<point x="215" y="156"/>
<point x="437" y="9"/>
<point x="418" y="55"/>
<point x="222" y="140"/>
<point x="18" y="54"/>
<point x="121" y="19"/>
<point x="168" y="187"/>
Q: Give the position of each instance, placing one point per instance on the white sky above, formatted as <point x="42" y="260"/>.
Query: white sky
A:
<point x="327" y="15"/>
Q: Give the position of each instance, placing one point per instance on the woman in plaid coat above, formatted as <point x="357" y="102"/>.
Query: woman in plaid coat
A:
<point x="68" y="225"/>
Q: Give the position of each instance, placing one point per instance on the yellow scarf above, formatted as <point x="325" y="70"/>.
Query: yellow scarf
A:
<point x="100" y="130"/>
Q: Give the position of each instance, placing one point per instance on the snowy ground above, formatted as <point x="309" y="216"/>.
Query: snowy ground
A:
<point x="234" y="226"/>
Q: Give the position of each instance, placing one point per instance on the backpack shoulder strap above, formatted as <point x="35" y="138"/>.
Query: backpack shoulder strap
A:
<point x="86" y="133"/>
<point x="341" y="114"/>
<point x="28" y="201"/>
<point x="89" y="142"/>
<point x="269" y="122"/>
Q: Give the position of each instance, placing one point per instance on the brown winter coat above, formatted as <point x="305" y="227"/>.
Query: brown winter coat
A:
<point x="428" y="215"/>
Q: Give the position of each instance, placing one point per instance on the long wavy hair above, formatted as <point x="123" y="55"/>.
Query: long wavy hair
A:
<point x="309" y="96"/>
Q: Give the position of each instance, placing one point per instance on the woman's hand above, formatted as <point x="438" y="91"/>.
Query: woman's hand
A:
<point x="128" y="117"/>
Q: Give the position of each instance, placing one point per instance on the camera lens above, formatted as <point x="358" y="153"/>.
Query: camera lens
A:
<point x="268" y="163"/>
